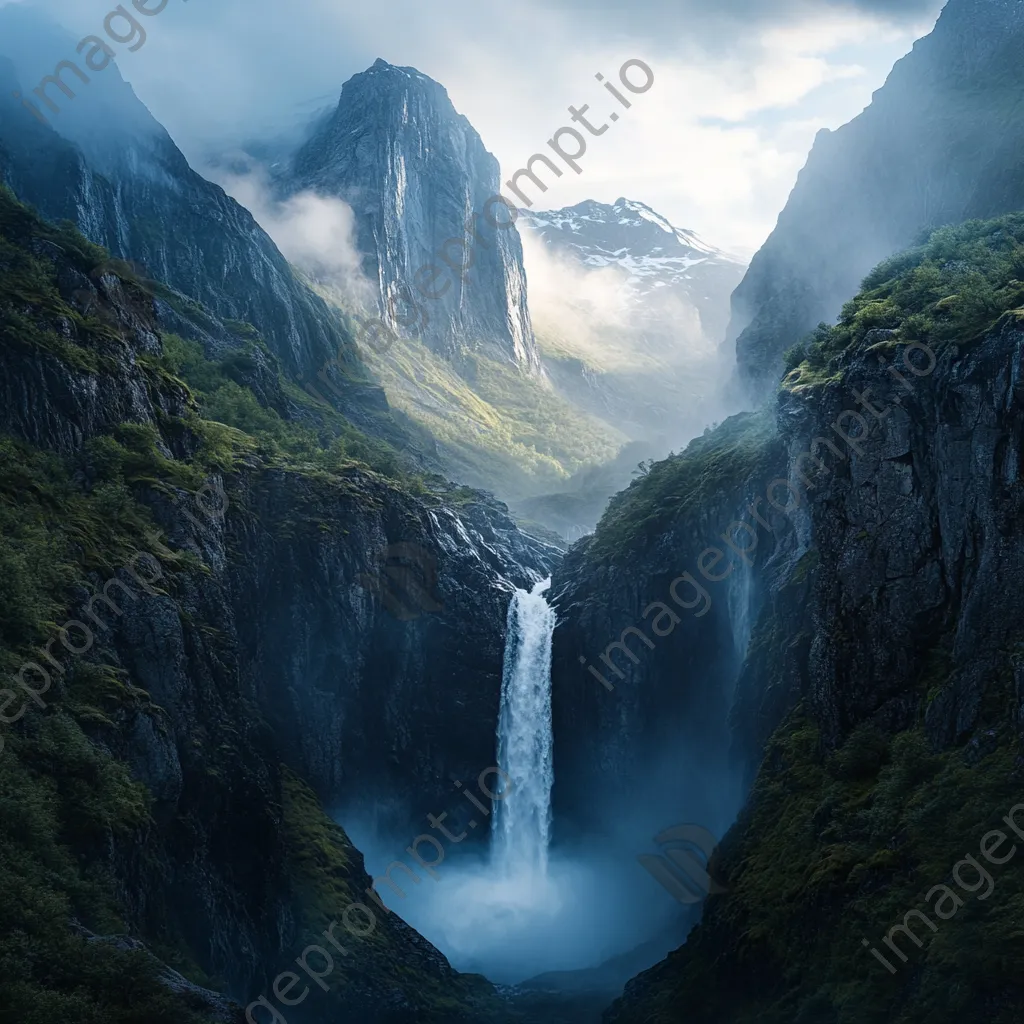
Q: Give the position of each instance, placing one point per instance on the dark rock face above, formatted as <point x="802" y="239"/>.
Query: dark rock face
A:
<point x="901" y="551"/>
<point x="316" y="642"/>
<point x="919" y="539"/>
<point x="939" y="144"/>
<point x="610" y="746"/>
<point x="376" y="645"/>
<point x="667" y="717"/>
<point x="58" y="406"/>
<point x="889" y="608"/>
<point x="419" y="179"/>
<point x="105" y="164"/>
<point x="211" y="1004"/>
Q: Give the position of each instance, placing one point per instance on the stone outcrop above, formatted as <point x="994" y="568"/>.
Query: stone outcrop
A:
<point x="419" y="179"/>
<point x="939" y="144"/>
<point x="305" y="641"/>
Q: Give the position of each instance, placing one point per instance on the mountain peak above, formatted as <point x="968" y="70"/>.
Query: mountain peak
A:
<point x="654" y="256"/>
<point x="381" y="70"/>
<point x="627" y="226"/>
<point x="410" y="166"/>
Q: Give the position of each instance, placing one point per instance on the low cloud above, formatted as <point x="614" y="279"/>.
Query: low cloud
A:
<point x="315" y="233"/>
<point x="746" y="17"/>
<point x="742" y="85"/>
<point x="592" y="315"/>
<point x="572" y="308"/>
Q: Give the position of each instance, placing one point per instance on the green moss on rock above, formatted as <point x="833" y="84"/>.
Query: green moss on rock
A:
<point x="836" y="849"/>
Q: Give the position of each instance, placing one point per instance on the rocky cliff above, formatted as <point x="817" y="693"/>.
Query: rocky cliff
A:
<point x="104" y="163"/>
<point x="262" y="625"/>
<point x="672" y="668"/>
<point x="418" y="178"/>
<point x="939" y="144"/>
<point x="880" y="692"/>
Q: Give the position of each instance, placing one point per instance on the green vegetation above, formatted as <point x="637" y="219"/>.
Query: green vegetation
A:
<point x="712" y="467"/>
<point x="497" y="427"/>
<point x="67" y="524"/>
<point x="327" y="875"/>
<point x="313" y="438"/>
<point x="62" y="799"/>
<point x="838" y="848"/>
<point x="951" y="290"/>
<point x="30" y="305"/>
<point x="500" y="427"/>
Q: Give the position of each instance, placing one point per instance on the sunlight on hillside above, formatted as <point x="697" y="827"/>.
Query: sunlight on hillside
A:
<point x="498" y="427"/>
<point x="505" y="422"/>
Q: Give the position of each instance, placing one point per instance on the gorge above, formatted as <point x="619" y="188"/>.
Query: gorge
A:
<point x="379" y="741"/>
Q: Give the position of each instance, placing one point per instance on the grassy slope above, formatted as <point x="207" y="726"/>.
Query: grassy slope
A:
<point x="65" y="802"/>
<point x="953" y="288"/>
<point x="681" y="483"/>
<point x="498" y="427"/>
<point x="62" y="800"/>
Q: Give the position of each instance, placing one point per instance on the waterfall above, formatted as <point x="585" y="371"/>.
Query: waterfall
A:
<point x="522" y="819"/>
<point x="740" y="595"/>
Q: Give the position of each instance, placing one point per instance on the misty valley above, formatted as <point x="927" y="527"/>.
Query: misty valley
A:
<point x="436" y="587"/>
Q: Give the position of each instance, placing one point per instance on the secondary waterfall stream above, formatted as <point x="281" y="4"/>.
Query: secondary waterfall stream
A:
<point x="522" y="820"/>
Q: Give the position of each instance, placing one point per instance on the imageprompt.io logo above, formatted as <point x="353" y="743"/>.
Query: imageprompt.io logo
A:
<point x="683" y="868"/>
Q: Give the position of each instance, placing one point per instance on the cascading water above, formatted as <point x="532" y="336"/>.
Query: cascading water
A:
<point x="514" y="913"/>
<point x="740" y="599"/>
<point x="522" y="819"/>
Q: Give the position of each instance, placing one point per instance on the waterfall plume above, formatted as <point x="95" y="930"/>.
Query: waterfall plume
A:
<point x="522" y="820"/>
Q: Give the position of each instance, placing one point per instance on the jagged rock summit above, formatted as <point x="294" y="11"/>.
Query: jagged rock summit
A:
<point x="415" y="172"/>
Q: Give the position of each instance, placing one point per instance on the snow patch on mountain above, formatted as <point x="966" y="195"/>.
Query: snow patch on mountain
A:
<point x="656" y="260"/>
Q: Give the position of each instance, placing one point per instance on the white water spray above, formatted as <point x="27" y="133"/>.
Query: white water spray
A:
<point x="510" y="913"/>
<point x="522" y="820"/>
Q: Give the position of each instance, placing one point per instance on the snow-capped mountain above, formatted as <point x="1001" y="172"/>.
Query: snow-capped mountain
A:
<point x="654" y="254"/>
<point x="630" y="314"/>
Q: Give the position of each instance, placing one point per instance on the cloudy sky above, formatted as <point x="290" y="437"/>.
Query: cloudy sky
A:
<point x="741" y="86"/>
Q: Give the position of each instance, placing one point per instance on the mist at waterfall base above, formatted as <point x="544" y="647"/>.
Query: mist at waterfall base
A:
<point x="586" y="910"/>
<point x="522" y="908"/>
<point x="596" y="903"/>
